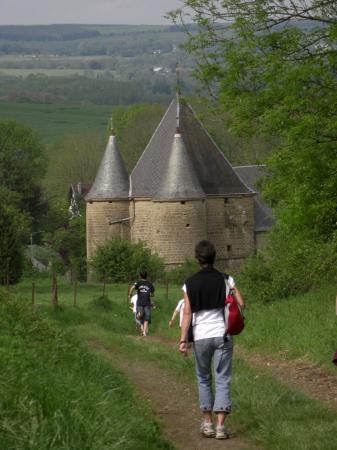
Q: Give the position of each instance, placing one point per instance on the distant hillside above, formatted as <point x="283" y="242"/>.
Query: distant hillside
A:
<point x="92" y="64"/>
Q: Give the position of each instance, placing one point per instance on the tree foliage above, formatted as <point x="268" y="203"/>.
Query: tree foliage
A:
<point x="70" y="244"/>
<point x="72" y="159"/>
<point x="134" y="127"/>
<point x="22" y="166"/>
<point x="14" y="229"/>
<point x="273" y="64"/>
<point x="119" y="260"/>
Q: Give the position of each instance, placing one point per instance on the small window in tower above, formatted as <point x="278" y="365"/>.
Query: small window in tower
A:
<point x="110" y="201"/>
<point x="183" y="203"/>
<point x="187" y="225"/>
<point x="229" y="248"/>
<point x="225" y="200"/>
<point x="90" y="203"/>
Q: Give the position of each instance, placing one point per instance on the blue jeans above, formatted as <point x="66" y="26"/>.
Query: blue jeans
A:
<point x="220" y="352"/>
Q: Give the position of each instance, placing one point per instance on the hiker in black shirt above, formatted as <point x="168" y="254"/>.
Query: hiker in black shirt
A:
<point x="145" y="291"/>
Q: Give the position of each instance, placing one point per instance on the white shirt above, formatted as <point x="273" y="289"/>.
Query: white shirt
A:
<point x="133" y="300"/>
<point x="210" y="323"/>
<point x="180" y="310"/>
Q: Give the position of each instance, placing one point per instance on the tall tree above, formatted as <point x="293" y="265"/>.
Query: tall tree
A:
<point x="22" y="166"/>
<point x="14" y="226"/>
<point x="272" y="64"/>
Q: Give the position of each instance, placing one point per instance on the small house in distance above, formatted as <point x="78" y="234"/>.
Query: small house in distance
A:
<point x="182" y="190"/>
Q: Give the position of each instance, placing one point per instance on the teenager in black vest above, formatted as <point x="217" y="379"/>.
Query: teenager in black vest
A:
<point x="204" y="295"/>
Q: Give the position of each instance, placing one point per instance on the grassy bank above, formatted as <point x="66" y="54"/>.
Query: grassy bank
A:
<point x="55" y="394"/>
<point x="302" y="326"/>
<point x="265" y="411"/>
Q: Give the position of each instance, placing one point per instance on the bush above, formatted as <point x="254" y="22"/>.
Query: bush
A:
<point x="119" y="260"/>
<point x="11" y="247"/>
<point x="179" y="274"/>
<point x="288" y="267"/>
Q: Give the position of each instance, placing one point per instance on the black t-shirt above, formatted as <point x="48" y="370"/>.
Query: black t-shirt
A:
<point x="144" y="289"/>
<point x="206" y="289"/>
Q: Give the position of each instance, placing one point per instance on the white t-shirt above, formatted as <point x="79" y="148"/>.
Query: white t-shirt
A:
<point x="180" y="310"/>
<point x="208" y="324"/>
<point x="133" y="300"/>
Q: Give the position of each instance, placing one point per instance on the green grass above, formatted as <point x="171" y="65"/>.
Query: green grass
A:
<point x="56" y="394"/>
<point x="298" y="327"/>
<point x="302" y="326"/>
<point x="265" y="411"/>
<point x="55" y="120"/>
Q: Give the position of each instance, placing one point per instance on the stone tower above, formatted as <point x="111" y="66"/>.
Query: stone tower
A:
<point x="108" y="200"/>
<point x="181" y="190"/>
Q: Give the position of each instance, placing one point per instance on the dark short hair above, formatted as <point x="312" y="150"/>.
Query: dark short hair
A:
<point x="205" y="252"/>
<point x="143" y="274"/>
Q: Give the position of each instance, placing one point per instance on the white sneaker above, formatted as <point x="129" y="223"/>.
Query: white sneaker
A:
<point x="207" y="429"/>
<point x="221" y="432"/>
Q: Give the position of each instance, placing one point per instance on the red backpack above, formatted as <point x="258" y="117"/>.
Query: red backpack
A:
<point x="234" y="318"/>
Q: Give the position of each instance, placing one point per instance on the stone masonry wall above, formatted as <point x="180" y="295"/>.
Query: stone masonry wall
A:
<point x="172" y="229"/>
<point x="99" y="218"/>
<point x="230" y="226"/>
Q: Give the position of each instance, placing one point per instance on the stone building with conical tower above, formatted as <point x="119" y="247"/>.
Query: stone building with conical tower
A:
<point x="181" y="190"/>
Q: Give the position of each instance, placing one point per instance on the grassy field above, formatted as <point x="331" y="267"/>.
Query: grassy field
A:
<point x="56" y="394"/>
<point x="266" y="412"/>
<point x="52" y="121"/>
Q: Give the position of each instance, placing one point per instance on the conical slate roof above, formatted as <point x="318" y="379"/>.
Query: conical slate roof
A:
<point x="179" y="181"/>
<point x="112" y="180"/>
<point x="213" y="171"/>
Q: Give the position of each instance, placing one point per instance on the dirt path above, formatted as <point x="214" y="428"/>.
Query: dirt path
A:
<point x="174" y="403"/>
<point x="314" y="381"/>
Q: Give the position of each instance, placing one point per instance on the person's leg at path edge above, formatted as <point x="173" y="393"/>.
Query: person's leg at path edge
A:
<point x="223" y="377"/>
<point x="203" y="351"/>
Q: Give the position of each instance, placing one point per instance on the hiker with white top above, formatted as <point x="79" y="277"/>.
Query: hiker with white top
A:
<point x="133" y="303"/>
<point x="179" y="309"/>
<point x="204" y="323"/>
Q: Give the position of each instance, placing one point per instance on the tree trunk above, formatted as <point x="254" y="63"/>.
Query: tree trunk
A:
<point x="54" y="299"/>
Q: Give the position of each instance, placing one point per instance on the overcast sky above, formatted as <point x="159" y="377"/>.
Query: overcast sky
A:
<point x="30" y="12"/>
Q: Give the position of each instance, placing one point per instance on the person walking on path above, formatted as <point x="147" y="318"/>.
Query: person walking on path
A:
<point x="133" y="307"/>
<point x="204" y="297"/>
<point x="145" y="291"/>
<point x="179" y="309"/>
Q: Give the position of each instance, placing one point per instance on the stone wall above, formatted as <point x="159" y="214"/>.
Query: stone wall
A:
<point x="230" y="226"/>
<point x="172" y="229"/>
<point x="100" y="218"/>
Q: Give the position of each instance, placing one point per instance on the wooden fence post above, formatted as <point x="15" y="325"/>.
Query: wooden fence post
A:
<point x="54" y="299"/>
<point x="33" y="293"/>
<point x="103" y="294"/>
<point x="75" y="292"/>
